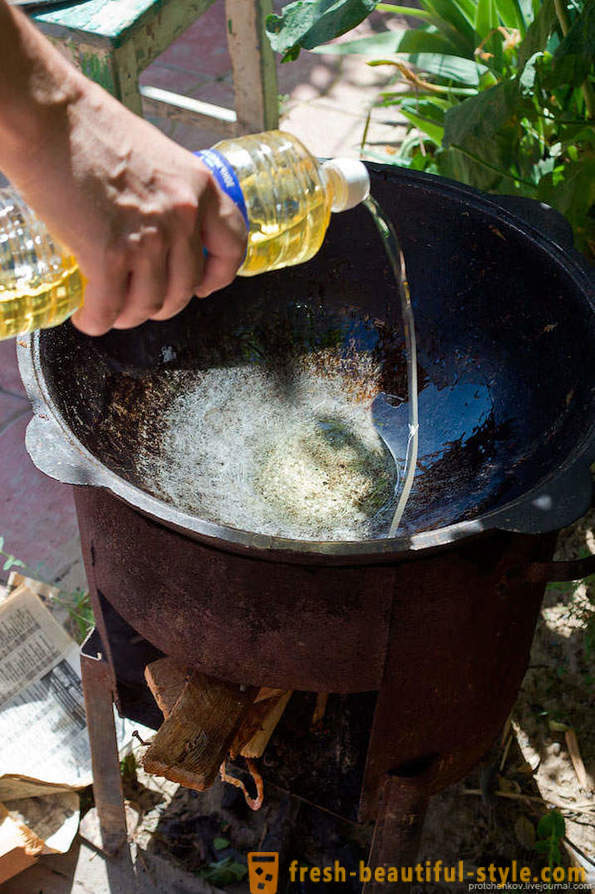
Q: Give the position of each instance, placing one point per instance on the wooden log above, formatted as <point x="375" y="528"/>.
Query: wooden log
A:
<point x="166" y="678"/>
<point x="198" y="730"/>
<point x="256" y="745"/>
<point x="320" y="709"/>
<point x="204" y="719"/>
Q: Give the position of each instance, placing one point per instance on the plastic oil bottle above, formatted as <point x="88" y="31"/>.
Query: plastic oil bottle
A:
<point x="285" y="195"/>
<point x="40" y="283"/>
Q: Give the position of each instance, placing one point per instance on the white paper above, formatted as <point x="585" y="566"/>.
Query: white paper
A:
<point x="44" y="744"/>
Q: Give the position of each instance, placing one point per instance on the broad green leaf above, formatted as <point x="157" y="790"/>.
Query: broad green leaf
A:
<point x="576" y="53"/>
<point x="424" y="122"/>
<point x="450" y="12"/>
<point x="224" y="872"/>
<point x="1" y="543"/>
<point x="395" y="99"/>
<point x="486" y="18"/>
<point x="428" y="109"/>
<point x="572" y="192"/>
<point x="481" y="116"/>
<point x="441" y="102"/>
<point x="220" y="843"/>
<point x="412" y="40"/>
<point x="424" y="40"/>
<point x="511" y="15"/>
<point x="582" y="132"/>
<point x="450" y="21"/>
<point x="453" y="68"/>
<point x="487" y="164"/>
<point x="488" y="38"/>
<point x="309" y="23"/>
<point x="403" y="10"/>
<point x="528" y="10"/>
<point x="467" y="7"/>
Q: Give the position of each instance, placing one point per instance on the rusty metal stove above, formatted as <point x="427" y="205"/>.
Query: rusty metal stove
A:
<point x="444" y="641"/>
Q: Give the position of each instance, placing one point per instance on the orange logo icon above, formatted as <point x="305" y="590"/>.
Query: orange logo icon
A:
<point x="263" y="871"/>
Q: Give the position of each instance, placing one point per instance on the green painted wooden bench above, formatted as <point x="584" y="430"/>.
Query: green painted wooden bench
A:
<point x="113" y="41"/>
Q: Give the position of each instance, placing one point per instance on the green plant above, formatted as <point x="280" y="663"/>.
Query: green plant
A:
<point x="498" y="94"/>
<point x="224" y="872"/>
<point x="550" y="831"/>
<point x="9" y="560"/>
<point x="80" y="611"/>
<point x="220" y="843"/>
<point x="128" y="769"/>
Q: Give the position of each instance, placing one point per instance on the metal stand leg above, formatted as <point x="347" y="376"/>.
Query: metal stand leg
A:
<point x="395" y="843"/>
<point x="99" y="706"/>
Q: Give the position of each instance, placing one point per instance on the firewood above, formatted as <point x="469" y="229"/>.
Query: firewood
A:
<point x="264" y="693"/>
<point x="256" y="746"/>
<point x="320" y="709"/>
<point x="257" y="727"/>
<point x="165" y="678"/>
<point x="254" y="720"/>
<point x="198" y="730"/>
<point x="584" y="781"/>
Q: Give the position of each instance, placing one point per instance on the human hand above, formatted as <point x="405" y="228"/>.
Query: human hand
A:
<point x="134" y="208"/>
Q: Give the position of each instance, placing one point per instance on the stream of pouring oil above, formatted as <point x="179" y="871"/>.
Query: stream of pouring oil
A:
<point x="382" y="410"/>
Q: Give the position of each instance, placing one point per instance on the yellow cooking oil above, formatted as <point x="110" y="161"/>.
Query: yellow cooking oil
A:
<point x="285" y="195"/>
<point x="288" y="196"/>
<point x="47" y="304"/>
<point x="40" y="282"/>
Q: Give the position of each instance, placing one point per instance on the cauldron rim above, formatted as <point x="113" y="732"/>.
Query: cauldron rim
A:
<point x="556" y="501"/>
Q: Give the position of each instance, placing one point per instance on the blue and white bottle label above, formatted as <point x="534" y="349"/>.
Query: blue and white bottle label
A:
<point x="226" y="177"/>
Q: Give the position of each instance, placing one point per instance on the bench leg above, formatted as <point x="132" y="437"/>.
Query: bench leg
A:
<point x="253" y="65"/>
<point x="126" y="75"/>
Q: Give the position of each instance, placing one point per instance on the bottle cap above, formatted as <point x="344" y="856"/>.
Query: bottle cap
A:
<point x="350" y="180"/>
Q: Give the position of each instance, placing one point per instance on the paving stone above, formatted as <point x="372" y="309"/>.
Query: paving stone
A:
<point x="172" y="77"/>
<point x="202" y="48"/>
<point x="10" y="408"/>
<point x="191" y="136"/>
<point x="38" y="520"/>
<point x="72" y="576"/>
<point x="10" y="379"/>
<point x="219" y="91"/>
<point x="327" y="131"/>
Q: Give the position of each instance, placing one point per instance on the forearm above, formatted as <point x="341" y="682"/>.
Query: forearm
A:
<point x="135" y="209"/>
<point x="37" y="88"/>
